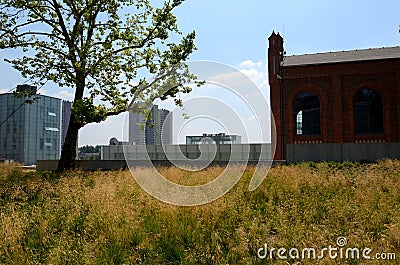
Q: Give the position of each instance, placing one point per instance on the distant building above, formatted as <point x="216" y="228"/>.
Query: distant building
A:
<point x="115" y="141"/>
<point x="157" y="131"/>
<point x="29" y="132"/>
<point x="136" y="134"/>
<point x="66" y="115"/>
<point x="219" y="138"/>
<point x="27" y="89"/>
<point x="152" y="128"/>
<point x="165" y="124"/>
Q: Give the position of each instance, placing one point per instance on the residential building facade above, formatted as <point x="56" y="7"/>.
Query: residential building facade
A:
<point x="157" y="130"/>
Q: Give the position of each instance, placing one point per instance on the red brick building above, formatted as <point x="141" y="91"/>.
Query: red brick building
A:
<point x="336" y="97"/>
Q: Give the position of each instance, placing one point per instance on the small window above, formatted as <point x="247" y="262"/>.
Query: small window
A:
<point x="51" y="129"/>
<point x="368" y="111"/>
<point x="299" y="123"/>
<point x="307" y="114"/>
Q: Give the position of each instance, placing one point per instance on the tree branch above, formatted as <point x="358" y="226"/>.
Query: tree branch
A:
<point x="64" y="30"/>
<point x="91" y="28"/>
<point x="39" y="33"/>
<point x="31" y="44"/>
<point x="138" y="46"/>
<point x="116" y="112"/>
<point x="50" y="22"/>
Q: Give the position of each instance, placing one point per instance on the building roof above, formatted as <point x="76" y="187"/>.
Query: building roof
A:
<point x="10" y="94"/>
<point x="344" y="56"/>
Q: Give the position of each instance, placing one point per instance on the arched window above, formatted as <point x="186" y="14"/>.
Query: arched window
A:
<point x="368" y="111"/>
<point x="307" y="114"/>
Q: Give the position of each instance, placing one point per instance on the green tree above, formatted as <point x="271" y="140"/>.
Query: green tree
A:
<point x="90" y="149"/>
<point x="99" y="48"/>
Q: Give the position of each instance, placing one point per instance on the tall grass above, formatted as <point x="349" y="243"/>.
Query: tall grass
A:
<point x="106" y="218"/>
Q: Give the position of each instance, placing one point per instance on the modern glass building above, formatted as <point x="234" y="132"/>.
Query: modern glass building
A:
<point x="30" y="132"/>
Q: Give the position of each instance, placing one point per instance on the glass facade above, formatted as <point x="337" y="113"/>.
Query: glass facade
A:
<point x="30" y="132"/>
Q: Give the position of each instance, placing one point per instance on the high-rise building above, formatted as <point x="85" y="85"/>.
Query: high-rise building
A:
<point x="66" y="114"/>
<point x="158" y="130"/>
<point x="31" y="131"/>
<point x="165" y="122"/>
<point x="136" y="133"/>
<point x="152" y="128"/>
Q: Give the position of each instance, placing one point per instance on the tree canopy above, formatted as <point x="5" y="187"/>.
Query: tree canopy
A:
<point x="99" y="48"/>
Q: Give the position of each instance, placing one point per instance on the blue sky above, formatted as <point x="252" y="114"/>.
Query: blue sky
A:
<point x="232" y="31"/>
<point x="235" y="33"/>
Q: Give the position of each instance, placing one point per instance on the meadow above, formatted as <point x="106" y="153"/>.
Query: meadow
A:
<point x="104" y="217"/>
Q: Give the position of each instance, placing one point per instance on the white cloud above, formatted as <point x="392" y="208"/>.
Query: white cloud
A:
<point x="250" y="64"/>
<point x="230" y="79"/>
<point x="63" y="94"/>
<point x="258" y="77"/>
<point x="241" y="77"/>
<point x="3" y="90"/>
<point x="244" y="79"/>
<point x="248" y="69"/>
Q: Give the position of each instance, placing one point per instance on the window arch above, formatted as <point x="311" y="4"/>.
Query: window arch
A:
<point x="368" y="111"/>
<point x="307" y="114"/>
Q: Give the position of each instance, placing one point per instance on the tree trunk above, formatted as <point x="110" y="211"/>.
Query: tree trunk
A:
<point x="69" y="148"/>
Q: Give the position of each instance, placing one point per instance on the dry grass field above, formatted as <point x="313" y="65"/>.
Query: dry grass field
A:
<point x="106" y="218"/>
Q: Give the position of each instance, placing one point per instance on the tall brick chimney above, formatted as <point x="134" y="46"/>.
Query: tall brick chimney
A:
<point x="275" y="51"/>
<point x="275" y="54"/>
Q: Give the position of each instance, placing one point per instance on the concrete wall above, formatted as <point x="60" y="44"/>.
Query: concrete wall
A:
<point x="295" y="153"/>
<point x="223" y="152"/>
<point x="113" y="156"/>
<point x="342" y="152"/>
<point x="83" y="164"/>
